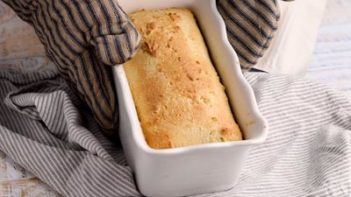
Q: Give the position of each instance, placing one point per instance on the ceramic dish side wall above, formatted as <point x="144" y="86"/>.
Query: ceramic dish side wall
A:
<point x="200" y="168"/>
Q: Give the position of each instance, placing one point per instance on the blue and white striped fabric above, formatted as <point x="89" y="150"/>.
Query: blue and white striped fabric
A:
<point x="42" y="130"/>
<point x="307" y="152"/>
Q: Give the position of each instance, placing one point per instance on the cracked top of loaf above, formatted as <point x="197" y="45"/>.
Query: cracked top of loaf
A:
<point x="178" y="95"/>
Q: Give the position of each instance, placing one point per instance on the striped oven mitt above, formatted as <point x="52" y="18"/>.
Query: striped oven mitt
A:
<point x="84" y="37"/>
<point x="250" y="26"/>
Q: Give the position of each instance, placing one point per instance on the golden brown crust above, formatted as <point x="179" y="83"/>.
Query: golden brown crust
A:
<point x="179" y="98"/>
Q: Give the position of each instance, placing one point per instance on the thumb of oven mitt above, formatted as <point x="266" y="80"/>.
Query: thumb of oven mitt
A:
<point x="250" y="27"/>
<point x="83" y="38"/>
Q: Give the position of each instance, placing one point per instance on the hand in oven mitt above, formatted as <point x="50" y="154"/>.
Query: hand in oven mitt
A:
<point x="83" y="38"/>
<point x="250" y="26"/>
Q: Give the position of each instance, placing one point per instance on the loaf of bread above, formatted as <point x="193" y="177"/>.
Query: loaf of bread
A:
<point x="178" y="95"/>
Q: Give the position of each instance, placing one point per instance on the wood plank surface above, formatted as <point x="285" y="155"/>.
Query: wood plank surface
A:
<point x="18" y="41"/>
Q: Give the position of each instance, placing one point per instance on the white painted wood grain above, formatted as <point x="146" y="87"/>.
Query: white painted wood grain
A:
<point x="17" y="38"/>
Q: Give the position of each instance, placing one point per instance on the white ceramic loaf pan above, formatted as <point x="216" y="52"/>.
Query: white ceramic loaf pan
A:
<point x="200" y="168"/>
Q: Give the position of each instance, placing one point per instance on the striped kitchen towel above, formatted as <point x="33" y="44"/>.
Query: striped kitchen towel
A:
<point x="83" y="37"/>
<point x="307" y="151"/>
